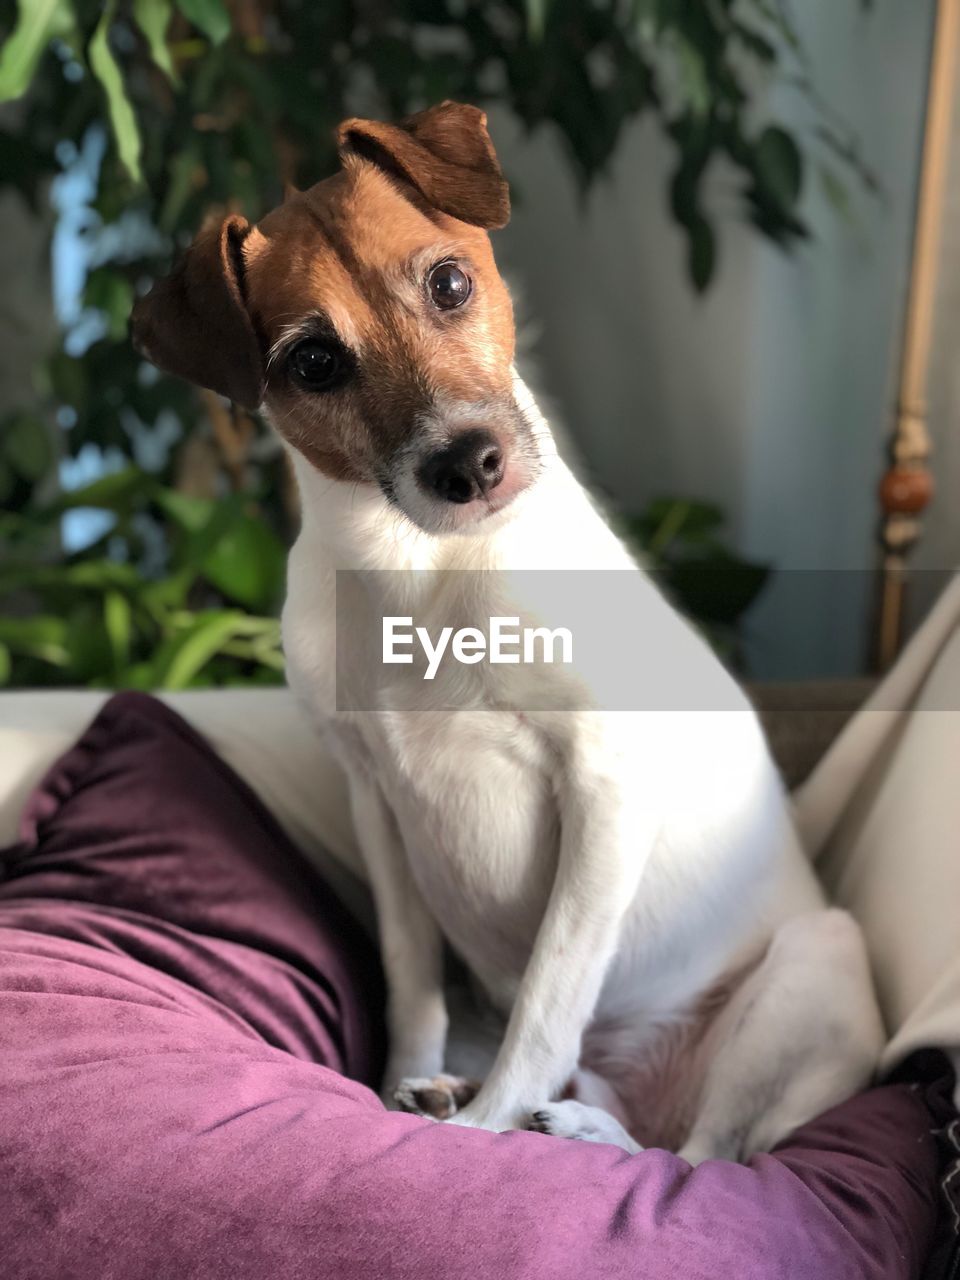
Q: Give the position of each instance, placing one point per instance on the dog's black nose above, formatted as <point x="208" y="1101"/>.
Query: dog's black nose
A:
<point x="470" y="466"/>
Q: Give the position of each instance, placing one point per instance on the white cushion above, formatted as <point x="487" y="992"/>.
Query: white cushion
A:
<point x="895" y="862"/>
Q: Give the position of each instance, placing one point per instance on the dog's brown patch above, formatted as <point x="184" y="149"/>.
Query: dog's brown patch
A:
<point x="203" y="299"/>
<point x="446" y="153"/>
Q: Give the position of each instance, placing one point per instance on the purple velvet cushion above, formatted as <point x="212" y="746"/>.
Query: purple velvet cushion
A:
<point x="181" y="1004"/>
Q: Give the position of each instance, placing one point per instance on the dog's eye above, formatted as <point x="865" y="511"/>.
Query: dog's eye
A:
<point x="449" y="286"/>
<point x="315" y="365"/>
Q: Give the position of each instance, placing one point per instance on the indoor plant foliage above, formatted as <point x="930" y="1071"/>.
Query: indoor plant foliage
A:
<point x="193" y="106"/>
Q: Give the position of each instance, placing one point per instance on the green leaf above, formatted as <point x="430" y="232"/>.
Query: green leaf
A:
<point x="84" y="576"/>
<point x="6" y="665"/>
<point x="165" y="594"/>
<point x="97" y="575"/>
<point x="687" y="518"/>
<point x="779" y="165"/>
<point x="209" y="16"/>
<point x="235" y="551"/>
<point x="87" y="643"/>
<point x="26" y="443"/>
<point x="703" y="253"/>
<point x="119" y="491"/>
<point x="118" y="624"/>
<point x="247" y="564"/>
<point x="37" y="637"/>
<point x="137" y="676"/>
<point x="537" y="14"/>
<point x="181" y="171"/>
<point x="122" y="119"/>
<point x="183" y="659"/>
<point x="201" y="539"/>
<point x="112" y="294"/>
<point x="265" y="651"/>
<point x="190" y="513"/>
<point x="646" y="18"/>
<point x="718" y="588"/>
<point x="692" y="74"/>
<point x="38" y="22"/>
<point x="153" y="19"/>
<point x="67" y="378"/>
<point x="667" y="521"/>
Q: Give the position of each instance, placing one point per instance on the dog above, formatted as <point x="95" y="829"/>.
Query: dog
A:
<point x="626" y="887"/>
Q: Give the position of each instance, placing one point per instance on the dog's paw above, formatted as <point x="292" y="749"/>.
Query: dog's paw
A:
<point x="439" y="1097"/>
<point x="587" y="1124"/>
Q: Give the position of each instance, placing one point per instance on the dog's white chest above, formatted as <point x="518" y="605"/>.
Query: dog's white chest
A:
<point x="476" y="789"/>
<point x="471" y="794"/>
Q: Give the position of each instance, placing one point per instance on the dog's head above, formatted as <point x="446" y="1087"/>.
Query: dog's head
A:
<point x="366" y="315"/>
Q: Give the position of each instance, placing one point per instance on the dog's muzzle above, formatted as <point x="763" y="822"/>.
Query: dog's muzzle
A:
<point x="469" y="467"/>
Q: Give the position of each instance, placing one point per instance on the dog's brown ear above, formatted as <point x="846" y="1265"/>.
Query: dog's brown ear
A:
<point x="194" y="322"/>
<point x="445" y="153"/>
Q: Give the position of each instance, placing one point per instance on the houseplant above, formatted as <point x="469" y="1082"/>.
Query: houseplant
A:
<point x="180" y="107"/>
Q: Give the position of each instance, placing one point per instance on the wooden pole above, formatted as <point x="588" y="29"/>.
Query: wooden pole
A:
<point x="907" y="486"/>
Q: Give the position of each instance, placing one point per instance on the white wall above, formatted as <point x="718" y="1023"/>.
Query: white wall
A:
<point x="773" y="394"/>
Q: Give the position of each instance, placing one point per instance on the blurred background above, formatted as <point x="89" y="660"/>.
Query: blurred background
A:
<point x="711" y="249"/>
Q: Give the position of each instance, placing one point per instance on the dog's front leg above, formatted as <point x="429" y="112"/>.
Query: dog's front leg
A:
<point x="606" y="837"/>
<point x="410" y="942"/>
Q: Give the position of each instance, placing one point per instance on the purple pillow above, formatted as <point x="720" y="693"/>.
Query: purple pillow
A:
<point x="188" y="1026"/>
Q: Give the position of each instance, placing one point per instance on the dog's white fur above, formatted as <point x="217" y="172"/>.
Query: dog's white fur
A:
<point x="599" y="872"/>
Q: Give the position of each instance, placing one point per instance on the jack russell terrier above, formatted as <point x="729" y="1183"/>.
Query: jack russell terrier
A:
<point x="626" y="886"/>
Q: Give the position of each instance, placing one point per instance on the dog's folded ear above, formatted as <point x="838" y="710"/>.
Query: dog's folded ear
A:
<point x="445" y="153"/>
<point x="194" y="322"/>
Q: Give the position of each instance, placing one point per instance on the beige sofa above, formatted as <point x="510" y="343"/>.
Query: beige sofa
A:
<point x="894" y="859"/>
